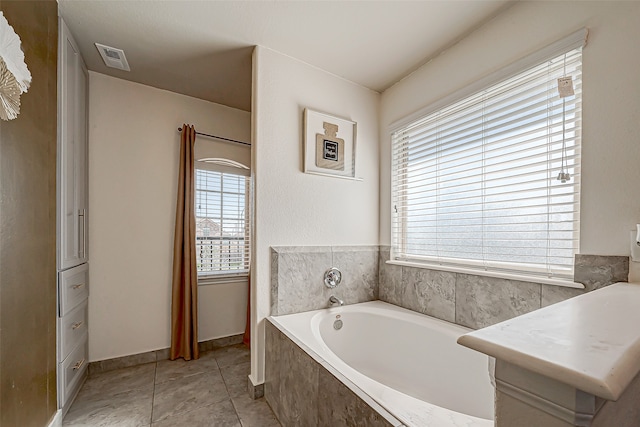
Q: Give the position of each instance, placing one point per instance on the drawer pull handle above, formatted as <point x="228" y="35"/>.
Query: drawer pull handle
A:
<point x="77" y="325"/>
<point x="78" y="365"/>
<point x="76" y="287"/>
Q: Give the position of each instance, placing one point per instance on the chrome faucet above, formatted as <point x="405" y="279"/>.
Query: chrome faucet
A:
<point x="333" y="300"/>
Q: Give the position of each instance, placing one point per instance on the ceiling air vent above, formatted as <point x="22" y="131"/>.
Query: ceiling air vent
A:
<point x="113" y="57"/>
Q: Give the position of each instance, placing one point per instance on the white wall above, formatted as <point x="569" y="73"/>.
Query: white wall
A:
<point x="294" y="208"/>
<point x="133" y="158"/>
<point x="611" y="104"/>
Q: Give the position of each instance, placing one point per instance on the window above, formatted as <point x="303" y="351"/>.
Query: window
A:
<point x="222" y="223"/>
<point x="476" y="182"/>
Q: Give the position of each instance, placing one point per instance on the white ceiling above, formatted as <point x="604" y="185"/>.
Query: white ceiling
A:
<point x="203" y="48"/>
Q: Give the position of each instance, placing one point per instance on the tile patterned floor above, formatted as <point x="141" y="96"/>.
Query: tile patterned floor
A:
<point x="210" y="391"/>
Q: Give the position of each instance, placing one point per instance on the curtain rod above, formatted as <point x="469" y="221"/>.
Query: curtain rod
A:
<point x="219" y="137"/>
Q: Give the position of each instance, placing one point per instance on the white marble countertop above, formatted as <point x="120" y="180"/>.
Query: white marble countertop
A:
<point x="591" y="342"/>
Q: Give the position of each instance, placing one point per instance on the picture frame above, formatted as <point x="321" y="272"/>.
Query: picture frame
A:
<point x="329" y="145"/>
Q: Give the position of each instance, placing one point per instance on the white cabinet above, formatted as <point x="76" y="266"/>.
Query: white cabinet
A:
<point x="72" y="153"/>
<point x="73" y="290"/>
<point x="72" y="328"/>
<point x="71" y="374"/>
<point x="72" y="220"/>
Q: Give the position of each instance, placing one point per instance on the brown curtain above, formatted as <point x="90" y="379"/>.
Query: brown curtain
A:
<point x="184" y="301"/>
<point x="246" y="338"/>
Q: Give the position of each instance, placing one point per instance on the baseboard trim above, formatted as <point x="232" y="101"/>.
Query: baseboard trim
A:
<point x="56" y="421"/>
<point x="255" y="391"/>
<point x="157" y="355"/>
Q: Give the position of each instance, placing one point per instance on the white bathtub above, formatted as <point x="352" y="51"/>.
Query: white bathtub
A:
<point x="408" y="363"/>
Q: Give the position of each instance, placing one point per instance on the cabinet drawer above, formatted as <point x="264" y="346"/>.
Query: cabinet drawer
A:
<point x="72" y="328"/>
<point x="73" y="288"/>
<point x="72" y="370"/>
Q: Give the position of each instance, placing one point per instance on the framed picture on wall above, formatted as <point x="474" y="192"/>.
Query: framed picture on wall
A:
<point x="329" y="145"/>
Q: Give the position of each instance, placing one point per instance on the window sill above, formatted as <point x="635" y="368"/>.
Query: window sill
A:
<point x="497" y="274"/>
<point x="223" y="279"/>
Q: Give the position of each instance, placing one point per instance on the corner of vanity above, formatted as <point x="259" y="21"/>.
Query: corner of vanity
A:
<point x="574" y="363"/>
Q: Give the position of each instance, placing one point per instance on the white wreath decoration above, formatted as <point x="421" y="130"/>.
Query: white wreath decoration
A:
<point x="15" y="77"/>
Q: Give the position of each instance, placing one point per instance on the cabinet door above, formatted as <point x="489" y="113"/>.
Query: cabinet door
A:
<point x="82" y="179"/>
<point x="72" y="154"/>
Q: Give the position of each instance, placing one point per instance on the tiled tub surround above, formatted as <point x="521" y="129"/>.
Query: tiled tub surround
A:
<point x="419" y="387"/>
<point x="303" y="392"/>
<point x="479" y="301"/>
<point x="297" y="276"/>
<point x="468" y="300"/>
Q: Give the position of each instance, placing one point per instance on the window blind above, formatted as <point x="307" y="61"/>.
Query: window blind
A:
<point x="474" y="184"/>
<point x="222" y="223"/>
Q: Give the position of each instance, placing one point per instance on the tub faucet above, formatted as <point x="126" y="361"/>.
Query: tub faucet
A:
<point x="333" y="300"/>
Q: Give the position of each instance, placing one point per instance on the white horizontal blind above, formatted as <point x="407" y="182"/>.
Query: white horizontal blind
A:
<point x="222" y="223"/>
<point x="474" y="184"/>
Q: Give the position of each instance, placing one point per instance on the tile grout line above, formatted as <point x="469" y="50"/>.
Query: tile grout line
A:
<point x="224" y="382"/>
<point x="226" y="386"/>
<point x="153" y="397"/>
<point x="235" y="409"/>
<point x="155" y="383"/>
